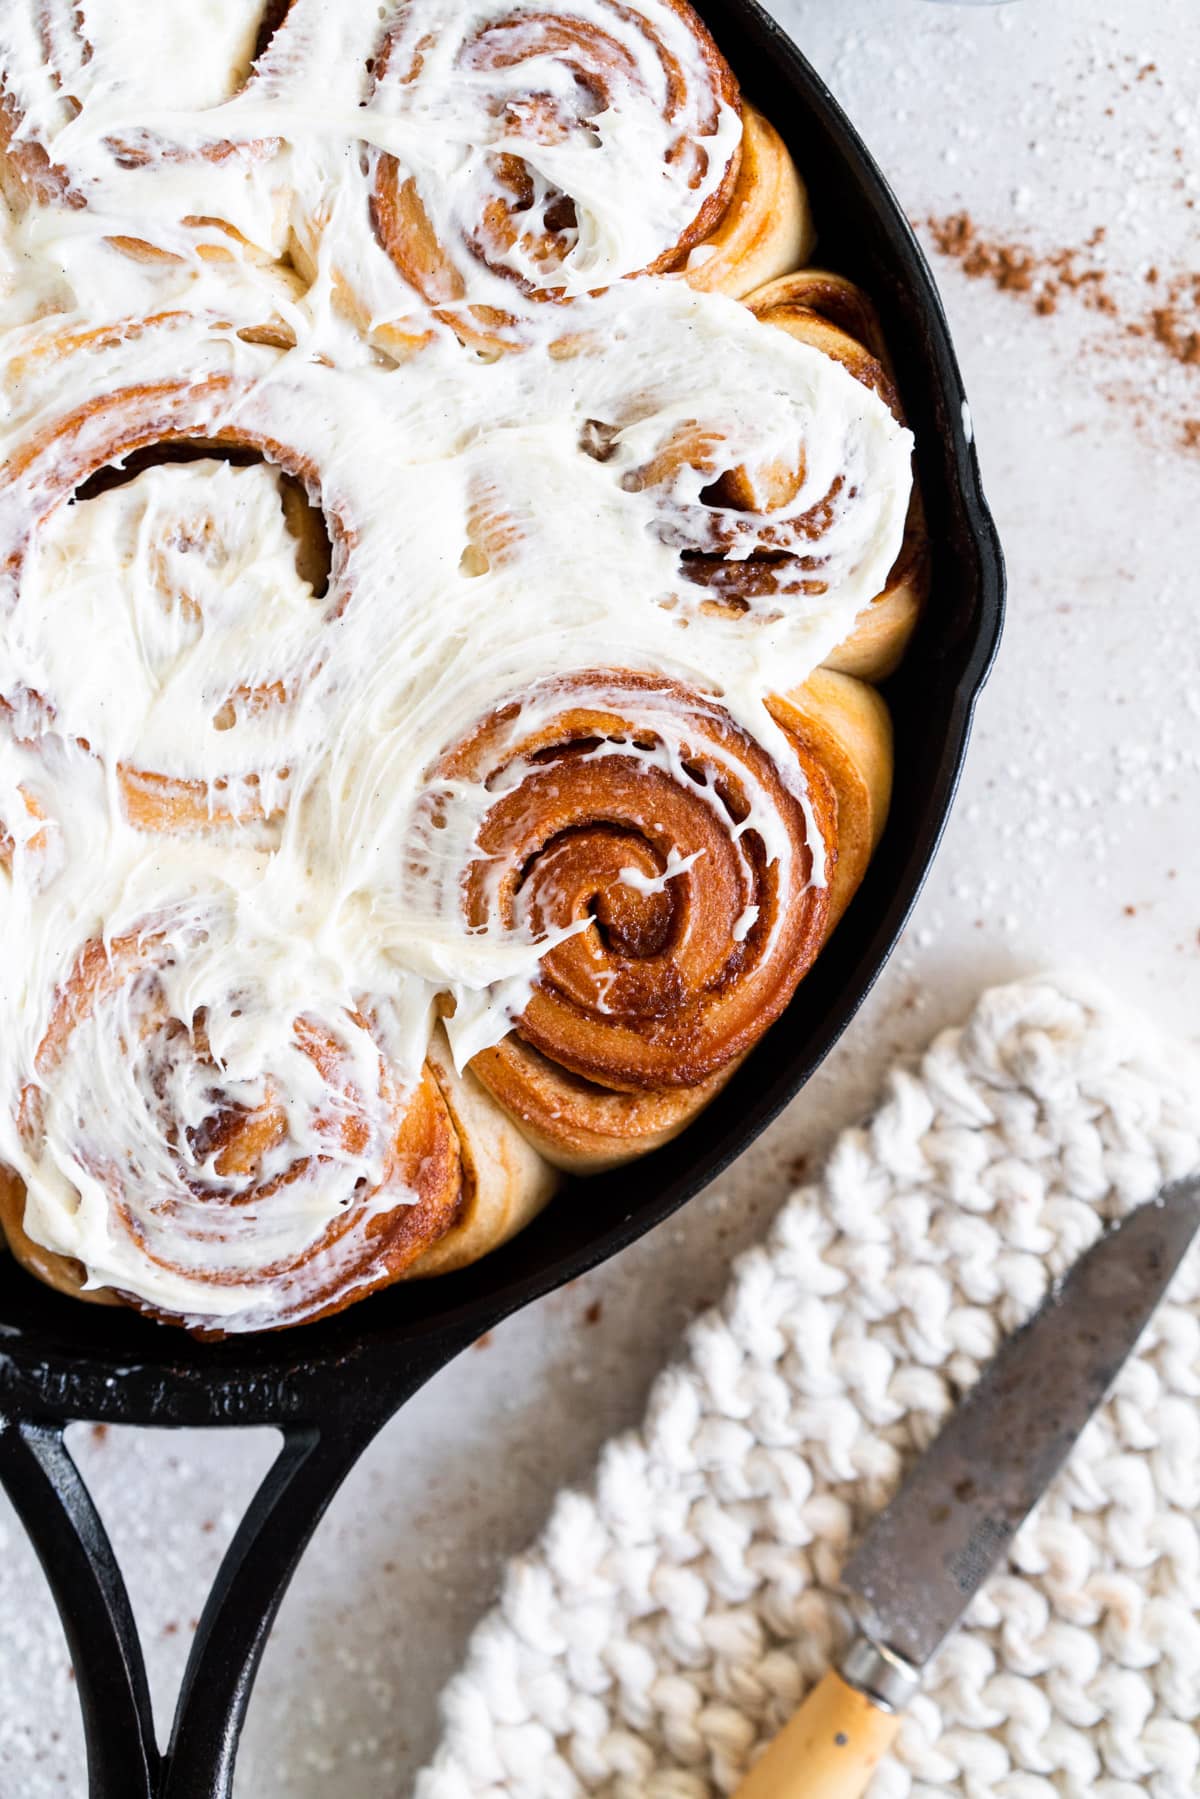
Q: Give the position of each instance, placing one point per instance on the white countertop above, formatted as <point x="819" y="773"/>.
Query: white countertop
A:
<point x="1075" y="840"/>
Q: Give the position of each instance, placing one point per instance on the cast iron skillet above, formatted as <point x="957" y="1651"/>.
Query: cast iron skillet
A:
<point x="329" y="1387"/>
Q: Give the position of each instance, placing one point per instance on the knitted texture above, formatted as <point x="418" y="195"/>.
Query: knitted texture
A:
<point x="669" y="1622"/>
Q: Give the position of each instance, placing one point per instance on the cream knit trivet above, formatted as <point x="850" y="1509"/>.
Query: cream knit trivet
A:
<point x="669" y="1621"/>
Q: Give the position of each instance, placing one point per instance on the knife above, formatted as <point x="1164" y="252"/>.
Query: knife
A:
<point x="925" y="1557"/>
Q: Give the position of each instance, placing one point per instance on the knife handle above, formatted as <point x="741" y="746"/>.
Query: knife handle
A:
<point x="830" y="1749"/>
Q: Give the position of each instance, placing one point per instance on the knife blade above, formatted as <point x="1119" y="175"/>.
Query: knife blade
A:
<point x="924" y="1558"/>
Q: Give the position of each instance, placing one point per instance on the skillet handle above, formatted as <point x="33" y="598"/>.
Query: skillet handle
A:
<point x="64" y="1527"/>
<point x="62" y="1523"/>
<point x="246" y="1595"/>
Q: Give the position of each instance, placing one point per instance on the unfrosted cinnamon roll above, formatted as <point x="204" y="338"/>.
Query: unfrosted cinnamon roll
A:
<point x="685" y="874"/>
<point x="834" y="316"/>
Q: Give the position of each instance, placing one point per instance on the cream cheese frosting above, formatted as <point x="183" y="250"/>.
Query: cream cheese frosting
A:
<point x="490" y="524"/>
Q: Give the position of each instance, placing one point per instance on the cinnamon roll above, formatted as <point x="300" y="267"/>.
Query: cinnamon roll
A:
<point x="236" y="1161"/>
<point x="539" y="126"/>
<point x="758" y="467"/>
<point x="231" y="563"/>
<point x="195" y="1145"/>
<point x="683" y="873"/>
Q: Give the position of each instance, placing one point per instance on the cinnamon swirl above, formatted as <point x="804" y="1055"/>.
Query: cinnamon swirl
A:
<point x="684" y="875"/>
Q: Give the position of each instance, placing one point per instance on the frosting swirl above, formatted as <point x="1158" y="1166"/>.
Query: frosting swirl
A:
<point x="532" y="126"/>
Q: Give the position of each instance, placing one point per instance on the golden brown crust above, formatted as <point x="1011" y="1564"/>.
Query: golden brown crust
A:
<point x="767" y="227"/>
<point x="876" y="646"/>
<point x="578" y="1125"/>
<point x="505" y="1182"/>
<point x="832" y="297"/>
<point x="845" y="726"/>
